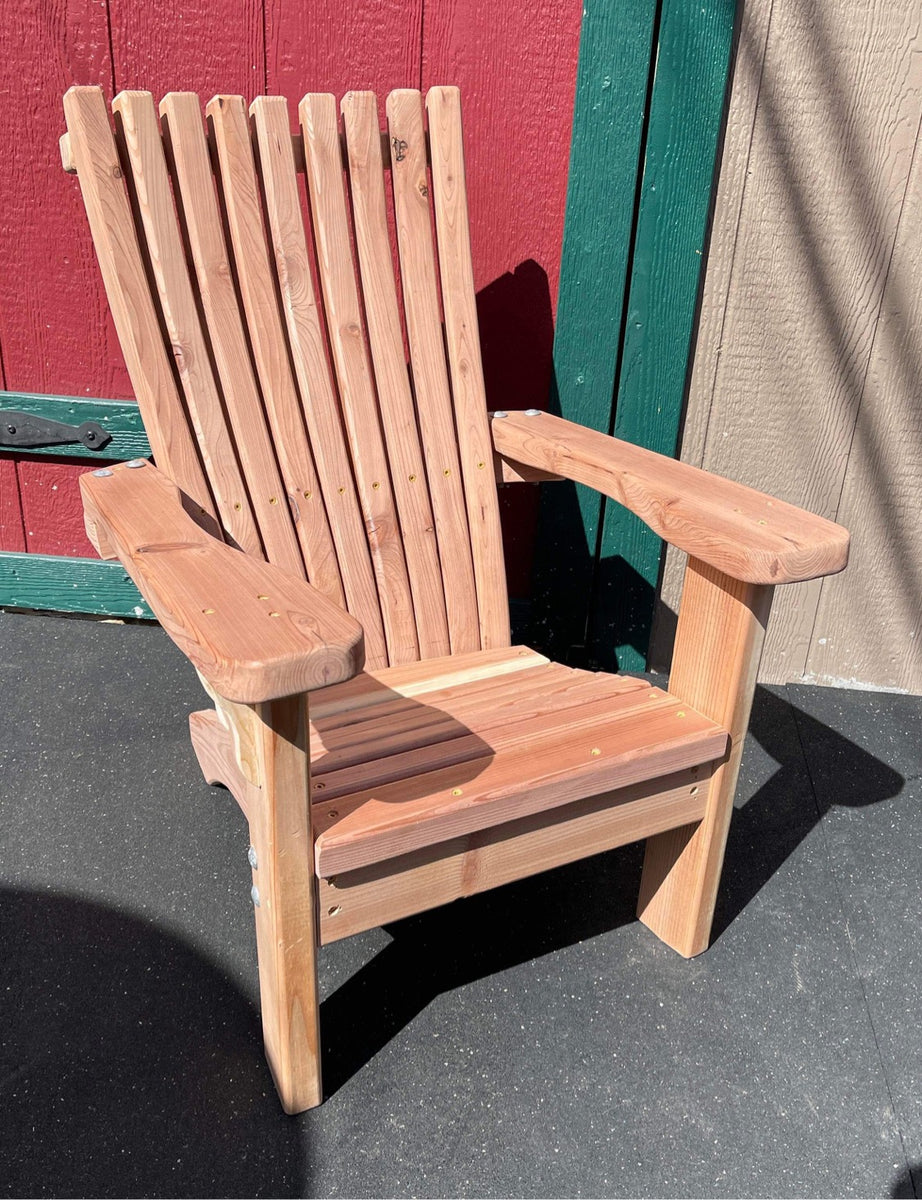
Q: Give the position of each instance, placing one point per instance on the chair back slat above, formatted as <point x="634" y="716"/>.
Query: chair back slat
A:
<point x="308" y="352"/>
<point x="195" y="192"/>
<point x="138" y="133"/>
<point x="330" y="218"/>
<point x="443" y="105"/>
<point x="240" y="190"/>
<point x="430" y="373"/>
<point x="133" y="311"/>
<point x="307" y="362"/>
<point x="395" y="400"/>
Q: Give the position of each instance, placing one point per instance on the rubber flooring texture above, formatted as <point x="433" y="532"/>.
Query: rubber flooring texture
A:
<point x="536" y="1041"/>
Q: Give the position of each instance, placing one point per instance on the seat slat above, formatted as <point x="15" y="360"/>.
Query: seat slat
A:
<point x="488" y="739"/>
<point x="371" y="688"/>
<point x="502" y="774"/>
<point x="420" y="724"/>
<point x="195" y="192"/>
<point x="138" y="130"/>
<point x="306" y="338"/>
<point x="443" y="105"/>
<point x="136" y="321"/>
<point x="324" y="168"/>
<point x="430" y="373"/>
<point x="449" y="697"/>
<point x="395" y="401"/>
<point x="270" y="351"/>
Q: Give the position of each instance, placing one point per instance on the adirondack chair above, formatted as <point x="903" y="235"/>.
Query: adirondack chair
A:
<point x="322" y="520"/>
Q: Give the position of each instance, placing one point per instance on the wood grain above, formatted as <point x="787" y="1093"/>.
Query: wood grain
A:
<point x="138" y="131"/>
<point x="374" y="687"/>
<point x="741" y="532"/>
<point x="190" y="167"/>
<point x="443" y="105"/>
<point x="372" y="896"/>
<point x="136" y="320"/>
<point x="286" y="916"/>
<point x="392" y="383"/>
<point x="413" y="219"/>
<point x="718" y="647"/>
<point x="254" y="631"/>
<point x="306" y="337"/>
<point x="501" y="774"/>
<point x="240" y="189"/>
<point x="324" y="165"/>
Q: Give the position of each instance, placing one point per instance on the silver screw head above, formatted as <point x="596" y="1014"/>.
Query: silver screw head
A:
<point x="254" y="895"/>
<point x="252" y="859"/>
<point x="499" y="413"/>
<point x="104" y="473"/>
<point x="532" y="412"/>
<point x="136" y="462"/>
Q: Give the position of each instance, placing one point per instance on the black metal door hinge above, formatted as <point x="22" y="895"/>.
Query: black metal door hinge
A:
<point x="23" y="429"/>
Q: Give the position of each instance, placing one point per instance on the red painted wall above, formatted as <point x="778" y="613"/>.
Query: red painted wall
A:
<point x="515" y="63"/>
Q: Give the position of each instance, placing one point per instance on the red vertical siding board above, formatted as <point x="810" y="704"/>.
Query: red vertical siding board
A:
<point x="53" y="324"/>
<point x="204" y="46"/>
<point x="516" y="67"/>
<point x="355" y="45"/>
<point x="11" y="533"/>
<point x="52" y="513"/>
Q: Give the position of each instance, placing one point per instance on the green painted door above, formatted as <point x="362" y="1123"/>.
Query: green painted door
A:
<point x="650" y="99"/>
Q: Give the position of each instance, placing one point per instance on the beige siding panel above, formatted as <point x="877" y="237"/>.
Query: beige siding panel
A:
<point x="775" y="398"/>
<point x="869" y="621"/>
<point x="747" y="73"/>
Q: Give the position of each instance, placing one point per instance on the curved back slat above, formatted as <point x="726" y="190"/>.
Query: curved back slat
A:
<point x="195" y="193"/>
<point x="330" y="218"/>
<point x="139" y="133"/>
<point x="395" y="400"/>
<point x="133" y="311"/>
<point x="443" y="105"/>
<point x="430" y="373"/>
<point x="267" y="339"/>
<point x="306" y="338"/>
<point x="325" y="373"/>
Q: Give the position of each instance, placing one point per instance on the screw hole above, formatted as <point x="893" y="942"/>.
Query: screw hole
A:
<point x="273" y="500"/>
<point x="337" y="908"/>
<point x="207" y="611"/>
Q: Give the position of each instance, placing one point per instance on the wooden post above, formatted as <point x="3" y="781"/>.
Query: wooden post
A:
<point x="718" y="646"/>
<point x="287" y="928"/>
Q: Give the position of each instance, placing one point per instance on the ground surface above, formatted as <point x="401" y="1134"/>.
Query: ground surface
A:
<point x="534" y="1042"/>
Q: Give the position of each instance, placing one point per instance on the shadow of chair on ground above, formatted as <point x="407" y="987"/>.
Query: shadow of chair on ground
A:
<point x="132" y="1066"/>
<point x="444" y="949"/>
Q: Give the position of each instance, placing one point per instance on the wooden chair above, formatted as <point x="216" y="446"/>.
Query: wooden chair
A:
<point x="325" y="496"/>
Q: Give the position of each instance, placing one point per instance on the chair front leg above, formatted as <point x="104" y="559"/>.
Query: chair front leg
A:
<point x="284" y="893"/>
<point x="719" y="640"/>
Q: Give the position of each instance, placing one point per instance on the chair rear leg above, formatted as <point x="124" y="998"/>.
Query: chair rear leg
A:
<point x="285" y="898"/>
<point x="718" y="647"/>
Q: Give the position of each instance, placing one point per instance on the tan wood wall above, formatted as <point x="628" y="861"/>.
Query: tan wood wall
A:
<point x="807" y="379"/>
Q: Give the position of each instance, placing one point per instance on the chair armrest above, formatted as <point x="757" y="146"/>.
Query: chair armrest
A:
<point x="254" y="632"/>
<point x="743" y="533"/>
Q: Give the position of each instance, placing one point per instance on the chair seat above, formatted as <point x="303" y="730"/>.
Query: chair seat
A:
<point x="406" y="757"/>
